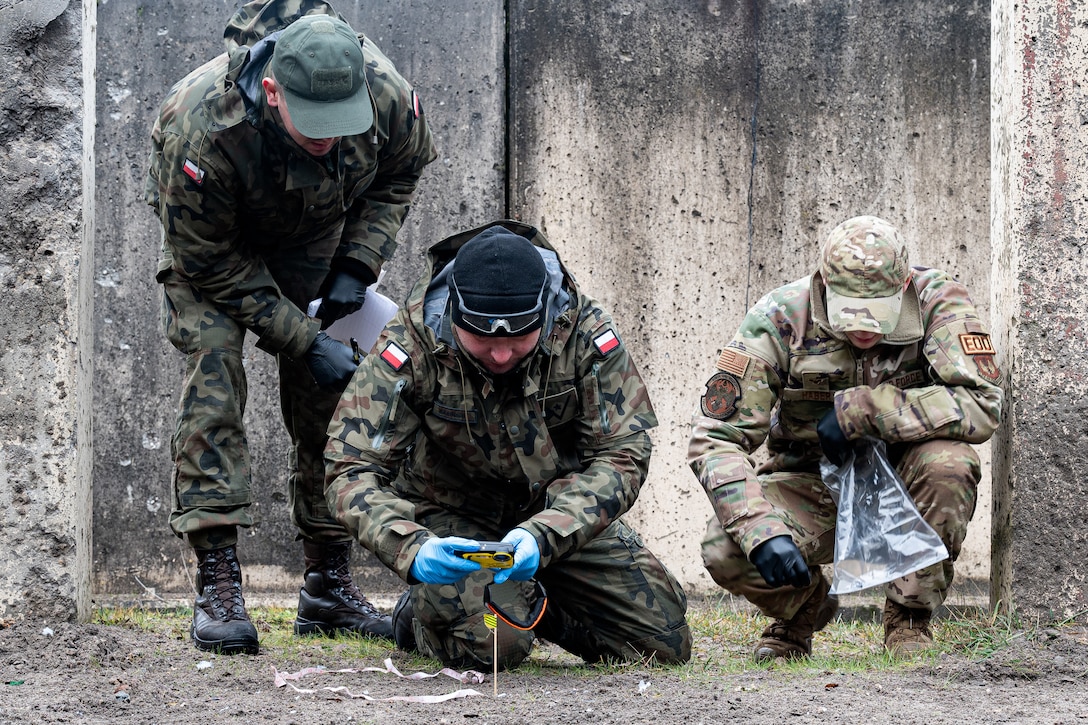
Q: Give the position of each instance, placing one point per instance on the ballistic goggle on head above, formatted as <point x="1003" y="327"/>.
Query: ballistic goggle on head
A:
<point x="510" y="324"/>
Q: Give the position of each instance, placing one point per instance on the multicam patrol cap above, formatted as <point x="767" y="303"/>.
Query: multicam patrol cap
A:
<point x="319" y="66"/>
<point x="865" y="270"/>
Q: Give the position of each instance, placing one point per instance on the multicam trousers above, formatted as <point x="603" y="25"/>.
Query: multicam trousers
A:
<point x="612" y="599"/>
<point x="212" y="487"/>
<point x="940" y="475"/>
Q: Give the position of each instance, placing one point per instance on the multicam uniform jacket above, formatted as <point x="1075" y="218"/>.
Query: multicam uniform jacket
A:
<point x="933" y="377"/>
<point x="560" y="449"/>
<point x="232" y="188"/>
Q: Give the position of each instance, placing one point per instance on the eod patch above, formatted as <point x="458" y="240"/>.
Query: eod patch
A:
<point x="721" y="396"/>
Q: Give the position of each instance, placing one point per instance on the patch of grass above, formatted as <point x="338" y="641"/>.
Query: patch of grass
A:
<point x="978" y="635"/>
<point x="723" y="633"/>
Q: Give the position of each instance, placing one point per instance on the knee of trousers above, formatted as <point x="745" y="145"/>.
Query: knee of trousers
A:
<point x="469" y="643"/>
<point x="942" y="477"/>
<point x="670" y="648"/>
<point x="449" y="625"/>
<point x="724" y="559"/>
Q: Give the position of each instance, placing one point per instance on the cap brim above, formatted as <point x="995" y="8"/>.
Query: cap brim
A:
<point x="330" y="119"/>
<point x="863" y="314"/>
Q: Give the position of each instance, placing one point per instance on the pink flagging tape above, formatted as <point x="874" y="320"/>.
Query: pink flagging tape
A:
<point x="287" y="679"/>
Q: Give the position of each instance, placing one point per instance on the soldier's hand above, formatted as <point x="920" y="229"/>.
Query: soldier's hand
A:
<point x="439" y="561"/>
<point x="526" y="557"/>
<point x="331" y="362"/>
<point x="345" y="295"/>
<point x="832" y="439"/>
<point x="779" y="562"/>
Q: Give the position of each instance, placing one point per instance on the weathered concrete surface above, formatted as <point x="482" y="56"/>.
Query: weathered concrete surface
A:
<point x="453" y="54"/>
<point x="46" y="236"/>
<point x="684" y="168"/>
<point x="1040" y="166"/>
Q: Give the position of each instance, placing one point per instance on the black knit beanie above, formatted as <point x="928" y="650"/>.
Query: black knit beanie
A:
<point x="497" y="285"/>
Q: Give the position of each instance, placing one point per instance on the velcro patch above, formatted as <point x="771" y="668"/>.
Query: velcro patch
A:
<point x="606" y="342"/>
<point x="394" y="355"/>
<point x="722" y="394"/>
<point x="193" y="171"/>
<point x="734" y="362"/>
<point x="976" y="344"/>
<point x="417" y="107"/>
<point x="455" y="415"/>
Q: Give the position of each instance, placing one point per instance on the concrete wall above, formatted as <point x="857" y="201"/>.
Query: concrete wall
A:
<point x="1039" y="162"/>
<point x="682" y="168"/>
<point x="453" y="53"/>
<point x="46" y="244"/>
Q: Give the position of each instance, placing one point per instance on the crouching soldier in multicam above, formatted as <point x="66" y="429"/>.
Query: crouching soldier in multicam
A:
<point x="865" y="346"/>
<point x="501" y="404"/>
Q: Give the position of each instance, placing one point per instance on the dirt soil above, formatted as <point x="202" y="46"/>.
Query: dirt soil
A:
<point x="91" y="673"/>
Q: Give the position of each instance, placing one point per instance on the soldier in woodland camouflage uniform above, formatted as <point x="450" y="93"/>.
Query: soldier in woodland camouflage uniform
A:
<point x="281" y="171"/>
<point x="502" y="404"/>
<point x="865" y="346"/>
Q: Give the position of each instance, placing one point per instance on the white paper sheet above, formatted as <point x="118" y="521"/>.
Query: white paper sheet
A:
<point x="365" y="324"/>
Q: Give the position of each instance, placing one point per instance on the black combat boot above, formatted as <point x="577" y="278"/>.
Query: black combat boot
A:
<point x="329" y="602"/>
<point x="404" y="633"/>
<point x="220" y="622"/>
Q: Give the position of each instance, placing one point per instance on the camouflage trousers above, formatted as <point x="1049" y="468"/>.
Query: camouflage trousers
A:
<point x="941" y="477"/>
<point x="210" y="450"/>
<point x="610" y="600"/>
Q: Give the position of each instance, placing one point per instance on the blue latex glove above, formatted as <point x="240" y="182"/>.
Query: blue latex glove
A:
<point x="526" y="557"/>
<point x="779" y="562"/>
<point x="331" y="362"/>
<point x="438" y="561"/>
<point x="346" y="294"/>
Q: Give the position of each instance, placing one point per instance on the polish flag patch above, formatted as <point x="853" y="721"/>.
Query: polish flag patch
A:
<point x="193" y="171"/>
<point x="606" y="342"/>
<point x="394" y="355"/>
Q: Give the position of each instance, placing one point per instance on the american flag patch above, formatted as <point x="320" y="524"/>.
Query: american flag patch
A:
<point x="193" y="171"/>
<point x="734" y="362"/>
<point x="606" y="342"/>
<point x="417" y="108"/>
<point x="394" y="355"/>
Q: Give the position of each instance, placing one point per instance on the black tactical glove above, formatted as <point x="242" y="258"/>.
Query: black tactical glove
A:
<point x="832" y="439"/>
<point x="345" y="295"/>
<point x="779" y="562"/>
<point x="330" y="361"/>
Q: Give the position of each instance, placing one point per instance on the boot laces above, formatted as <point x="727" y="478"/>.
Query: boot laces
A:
<point x="339" y="574"/>
<point x="223" y="587"/>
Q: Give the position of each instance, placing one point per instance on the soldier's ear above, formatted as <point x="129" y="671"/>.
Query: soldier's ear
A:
<point x="271" y="91"/>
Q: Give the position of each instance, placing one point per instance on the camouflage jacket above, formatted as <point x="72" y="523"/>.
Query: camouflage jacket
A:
<point x="231" y="188"/>
<point x="934" y="376"/>
<point x="560" y="448"/>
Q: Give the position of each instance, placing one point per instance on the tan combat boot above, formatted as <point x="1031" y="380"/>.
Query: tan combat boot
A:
<point x="792" y="638"/>
<point x="906" y="631"/>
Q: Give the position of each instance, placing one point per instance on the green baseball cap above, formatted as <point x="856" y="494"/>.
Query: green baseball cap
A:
<point x="865" y="270"/>
<point x="319" y="67"/>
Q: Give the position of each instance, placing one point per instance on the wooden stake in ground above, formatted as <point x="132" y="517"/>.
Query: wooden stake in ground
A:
<point x="492" y="623"/>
